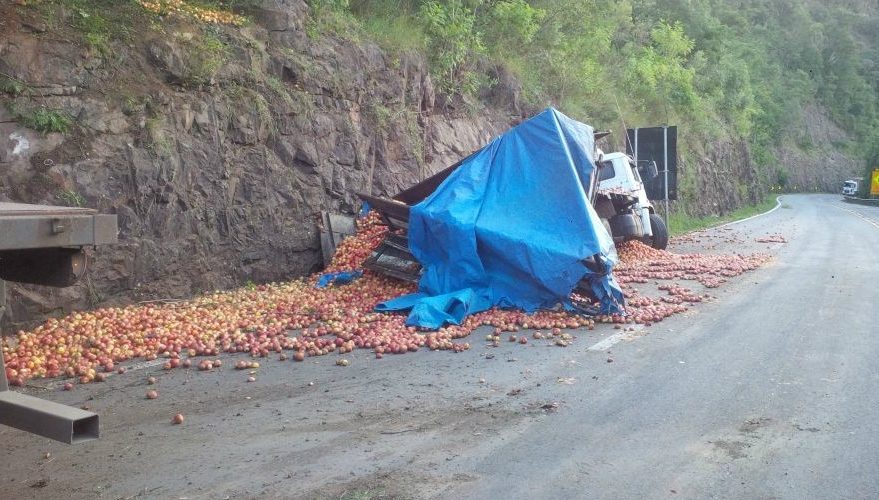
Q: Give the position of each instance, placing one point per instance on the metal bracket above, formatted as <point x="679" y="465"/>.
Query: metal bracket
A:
<point x="60" y="225"/>
<point x="47" y="418"/>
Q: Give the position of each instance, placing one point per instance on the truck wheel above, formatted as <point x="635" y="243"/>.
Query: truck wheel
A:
<point x="659" y="240"/>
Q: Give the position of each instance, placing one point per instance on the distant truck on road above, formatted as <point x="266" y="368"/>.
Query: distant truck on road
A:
<point x="850" y="188"/>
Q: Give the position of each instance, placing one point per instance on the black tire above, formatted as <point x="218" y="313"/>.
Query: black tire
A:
<point x="659" y="240"/>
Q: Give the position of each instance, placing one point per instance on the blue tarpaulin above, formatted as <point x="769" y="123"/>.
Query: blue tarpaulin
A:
<point x="340" y="278"/>
<point x="511" y="228"/>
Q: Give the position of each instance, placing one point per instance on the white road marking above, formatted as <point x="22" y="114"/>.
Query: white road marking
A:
<point x="776" y="207"/>
<point x="608" y="342"/>
<point x="146" y="364"/>
<point x="865" y="217"/>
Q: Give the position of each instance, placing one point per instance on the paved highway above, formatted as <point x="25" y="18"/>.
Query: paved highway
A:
<point x="771" y="392"/>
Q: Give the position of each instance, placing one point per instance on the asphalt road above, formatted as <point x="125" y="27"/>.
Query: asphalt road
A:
<point x="769" y="391"/>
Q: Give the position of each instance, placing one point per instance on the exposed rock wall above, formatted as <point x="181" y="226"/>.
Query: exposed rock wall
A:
<point x="217" y="179"/>
<point x="819" y="164"/>
<point x="720" y="179"/>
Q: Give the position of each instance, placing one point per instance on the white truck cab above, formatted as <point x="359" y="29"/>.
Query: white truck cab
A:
<point x="621" y="200"/>
<point x="849" y="188"/>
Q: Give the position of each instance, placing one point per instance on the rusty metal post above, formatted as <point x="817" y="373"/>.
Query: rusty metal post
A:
<point x="39" y="245"/>
<point x="4" y="384"/>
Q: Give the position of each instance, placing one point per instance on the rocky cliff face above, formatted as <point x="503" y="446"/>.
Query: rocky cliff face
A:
<point x="721" y="178"/>
<point x="819" y="164"/>
<point x="219" y="147"/>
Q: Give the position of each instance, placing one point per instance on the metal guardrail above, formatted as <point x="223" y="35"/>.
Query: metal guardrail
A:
<point x="46" y="418"/>
<point x="861" y="201"/>
<point x="43" y="244"/>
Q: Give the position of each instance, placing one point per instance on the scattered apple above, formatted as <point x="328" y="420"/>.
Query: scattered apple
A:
<point x="295" y="316"/>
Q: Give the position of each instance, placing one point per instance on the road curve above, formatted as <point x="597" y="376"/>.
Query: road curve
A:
<point x="770" y="392"/>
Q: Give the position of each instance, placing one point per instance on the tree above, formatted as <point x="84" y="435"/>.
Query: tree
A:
<point x="454" y="44"/>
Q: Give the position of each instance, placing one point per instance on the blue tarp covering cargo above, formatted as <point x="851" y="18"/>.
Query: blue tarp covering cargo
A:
<point x="511" y="227"/>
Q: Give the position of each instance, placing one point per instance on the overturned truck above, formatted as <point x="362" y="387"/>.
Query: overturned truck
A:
<point x="512" y="225"/>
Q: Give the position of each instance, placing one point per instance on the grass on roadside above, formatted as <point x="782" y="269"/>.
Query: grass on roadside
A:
<point x="680" y="223"/>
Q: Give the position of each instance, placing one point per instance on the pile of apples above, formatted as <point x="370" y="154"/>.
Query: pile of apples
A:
<point x="295" y="317"/>
<point x="642" y="264"/>
<point x="203" y="14"/>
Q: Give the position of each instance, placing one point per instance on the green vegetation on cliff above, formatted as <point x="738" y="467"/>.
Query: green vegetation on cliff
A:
<point x="752" y="70"/>
<point x="747" y="68"/>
